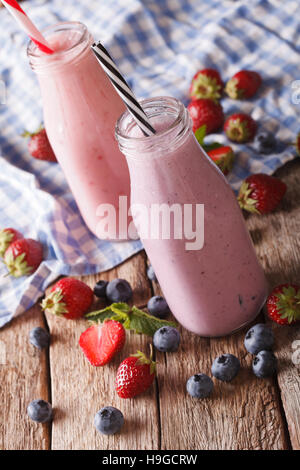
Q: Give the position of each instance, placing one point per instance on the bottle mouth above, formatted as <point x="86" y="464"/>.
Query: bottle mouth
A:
<point x="173" y="110"/>
<point x="68" y="39"/>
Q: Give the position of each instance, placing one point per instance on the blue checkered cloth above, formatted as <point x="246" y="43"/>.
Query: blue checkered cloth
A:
<point x="158" y="46"/>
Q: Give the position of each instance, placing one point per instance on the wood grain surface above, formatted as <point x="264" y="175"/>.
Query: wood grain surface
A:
<point x="248" y="413"/>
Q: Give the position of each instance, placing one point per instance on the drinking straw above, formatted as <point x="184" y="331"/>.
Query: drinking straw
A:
<point x="123" y="89"/>
<point x="26" y="24"/>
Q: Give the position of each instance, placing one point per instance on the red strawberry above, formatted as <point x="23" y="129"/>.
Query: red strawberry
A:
<point x="261" y="193"/>
<point x="39" y="146"/>
<point x="8" y="236"/>
<point x="23" y="257"/>
<point x="69" y="298"/>
<point x="135" y="375"/>
<point x="206" y="112"/>
<point x="243" y="85"/>
<point x="100" y="343"/>
<point x="223" y="157"/>
<point x="240" y="127"/>
<point x="206" y="83"/>
<point x="283" y="304"/>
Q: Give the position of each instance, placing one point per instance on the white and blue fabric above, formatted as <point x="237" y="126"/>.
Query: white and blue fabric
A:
<point x="158" y="45"/>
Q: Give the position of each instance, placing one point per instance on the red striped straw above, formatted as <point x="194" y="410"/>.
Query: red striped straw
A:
<point x="27" y="25"/>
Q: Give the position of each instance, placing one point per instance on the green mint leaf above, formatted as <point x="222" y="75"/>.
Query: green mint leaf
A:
<point x="142" y="322"/>
<point x="132" y="319"/>
<point x="117" y="311"/>
<point x="212" y="146"/>
<point x="200" y="134"/>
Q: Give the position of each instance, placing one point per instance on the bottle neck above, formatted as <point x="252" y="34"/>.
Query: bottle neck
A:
<point x="168" y="116"/>
<point x="71" y="42"/>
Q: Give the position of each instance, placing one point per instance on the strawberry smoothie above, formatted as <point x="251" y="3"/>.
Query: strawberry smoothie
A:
<point x="214" y="290"/>
<point x="80" y="111"/>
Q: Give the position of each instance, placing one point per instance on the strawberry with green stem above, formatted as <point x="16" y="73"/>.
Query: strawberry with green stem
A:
<point x="7" y="237"/>
<point x="283" y="304"/>
<point x="261" y="193"/>
<point x="69" y="298"/>
<point x="23" y="257"/>
<point x="39" y="146"/>
<point x="221" y="155"/>
<point x="206" y="83"/>
<point x="243" y="85"/>
<point x="240" y="127"/>
<point x="135" y="375"/>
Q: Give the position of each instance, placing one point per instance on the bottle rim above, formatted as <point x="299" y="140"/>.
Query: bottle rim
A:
<point x="178" y="127"/>
<point x="38" y="59"/>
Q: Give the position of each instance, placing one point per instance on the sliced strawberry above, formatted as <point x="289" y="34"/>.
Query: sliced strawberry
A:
<point x="283" y="304"/>
<point x="223" y="157"/>
<point x="100" y="343"/>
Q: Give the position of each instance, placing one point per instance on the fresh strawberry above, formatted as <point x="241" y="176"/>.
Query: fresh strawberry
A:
<point x="8" y="236"/>
<point x="100" y="343"/>
<point x="23" y="257"/>
<point x="206" y="112"/>
<point x="135" y="375"/>
<point x="223" y="157"/>
<point x="240" y="127"/>
<point x="243" y="85"/>
<point x="69" y="298"/>
<point x="39" y="146"/>
<point x="206" y="83"/>
<point x="261" y="193"/>
<point x="283" y="304"/>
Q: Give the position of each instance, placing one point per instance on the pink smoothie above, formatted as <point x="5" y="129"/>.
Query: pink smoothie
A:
<point x="221" y="287"/>
<point x="80" y="110"/>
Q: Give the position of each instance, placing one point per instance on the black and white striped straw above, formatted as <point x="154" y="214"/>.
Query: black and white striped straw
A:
<point x="123" y="89"/>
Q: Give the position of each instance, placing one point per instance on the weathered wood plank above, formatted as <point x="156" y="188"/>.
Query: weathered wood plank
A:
<point x="241" y="415"/>
<point x="79" y="390"/>
<point x="23" y="378"/>
<point x="277" y="241"/>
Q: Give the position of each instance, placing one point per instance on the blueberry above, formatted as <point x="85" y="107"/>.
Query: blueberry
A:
<point x="264" y="364"/>
<point x="39" y="411"/>
<point x="39" y="337"/>
<point x="259" y="337"/>
<point x="108" y="420"/>
<point x="118" y="290"/>
<point x="225" y="367"/>
<point x="158" y="306"/>
<point x="166" y="339"/>
<point x="199" y="386"/>
<point x="265" y="143"/>
<point x="151" y="274"/>
<point x="100" y="288"/>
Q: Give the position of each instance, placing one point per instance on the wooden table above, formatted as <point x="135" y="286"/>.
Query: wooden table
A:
<point x="248" y="413"/>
